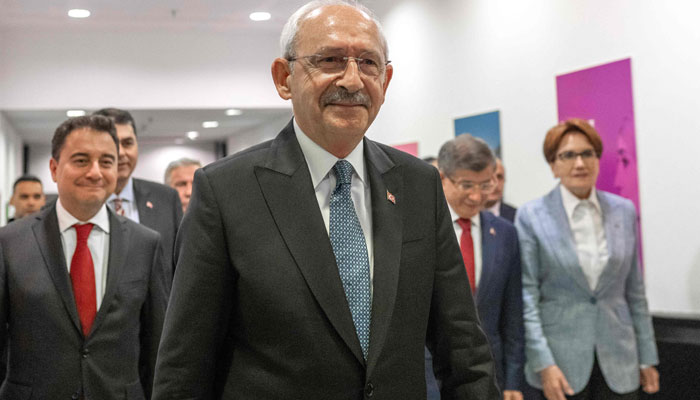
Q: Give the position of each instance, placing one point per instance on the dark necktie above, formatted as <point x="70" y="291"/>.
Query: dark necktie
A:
<point x="82" y="276"/>
<point x="466" y="244"/>
<point x="350" y="251"/>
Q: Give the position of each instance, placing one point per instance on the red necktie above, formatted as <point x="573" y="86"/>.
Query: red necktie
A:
<point x="82" y="276"/>
<point x="466" y="244"/>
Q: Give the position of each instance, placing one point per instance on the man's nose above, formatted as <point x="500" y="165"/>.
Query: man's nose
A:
<point x="94" y="172"/>
<point x="351" y="79"/>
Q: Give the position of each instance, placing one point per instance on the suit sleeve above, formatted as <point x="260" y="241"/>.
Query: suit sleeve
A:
<point x="637" y="301"/>
<point x="201" y="300"/>
<point x="152" y="316"/>
<point x="537" y="350"/>
<point x="462" y="357"/>
<point x="513" y="332"/>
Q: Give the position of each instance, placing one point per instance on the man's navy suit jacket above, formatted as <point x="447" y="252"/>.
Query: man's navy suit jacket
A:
<point x="499" y="302"/>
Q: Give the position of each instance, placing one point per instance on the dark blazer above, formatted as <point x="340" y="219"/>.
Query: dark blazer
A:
<point x="507" y="211"/>
<point x="499" y="298"/>
<point x="258" y="309"/>
<point x="160" y="209"/>
<point x="499" y="302"/>
<point x="49" y="356"/>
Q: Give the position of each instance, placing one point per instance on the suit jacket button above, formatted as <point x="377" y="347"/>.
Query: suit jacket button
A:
<point x="75" y="396"/>
<point x="86" y="353"/>
<point x="369" y="390"/>
<point x="593" y="300"/>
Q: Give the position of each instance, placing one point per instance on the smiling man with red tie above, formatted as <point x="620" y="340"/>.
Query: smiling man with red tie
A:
<point x="82" y="290"/>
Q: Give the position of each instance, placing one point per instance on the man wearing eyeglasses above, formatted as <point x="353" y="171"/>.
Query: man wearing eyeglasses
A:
<point x="319" y="264"/>
<point x="491" y="254"/>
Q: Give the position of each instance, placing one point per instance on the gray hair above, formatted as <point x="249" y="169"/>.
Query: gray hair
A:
<point x="183" y="162"/>
<point x="465" y="152"/>
<point x="289" y="37"/>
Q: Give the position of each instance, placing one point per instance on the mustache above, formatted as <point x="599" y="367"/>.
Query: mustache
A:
<point x="342" y="96"/>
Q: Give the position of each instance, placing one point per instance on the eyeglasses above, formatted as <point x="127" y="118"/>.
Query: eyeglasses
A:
<point x="471" y="187"/>
<point x="571" y="156"/>
<point x="369" y="66"/>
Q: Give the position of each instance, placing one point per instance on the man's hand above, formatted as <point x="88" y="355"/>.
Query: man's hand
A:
<point x="649" y="378"/>
<point x="554" y="384"/>
<point x="512" y="395"/>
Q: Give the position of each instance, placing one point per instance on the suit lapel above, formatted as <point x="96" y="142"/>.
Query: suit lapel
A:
<point x="286" y="185"/>
<point x="560" y="239"/>
<point x="118" y="251"/>
<point x="613" y="226"/>
<point x="488" y="256"/>
<point x="141" y="194"/>
<point x="387" y="226"/>
<point x="48" y="237"/>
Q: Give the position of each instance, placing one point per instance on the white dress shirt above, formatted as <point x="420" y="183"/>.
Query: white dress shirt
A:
<point x="320" y="164"/>
<point x="476" y="239"/>
<point x="128" y="201"/>
<point x="98" y="243"/>
<point x="586" y="223"/>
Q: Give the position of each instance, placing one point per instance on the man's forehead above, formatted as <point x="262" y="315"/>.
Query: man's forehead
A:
<point x="28" y="186"/>
<point x="337" y="18"/>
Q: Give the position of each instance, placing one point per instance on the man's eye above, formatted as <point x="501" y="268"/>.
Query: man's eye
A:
<point x="369" y="62"/>
<point x="330" y="60"/>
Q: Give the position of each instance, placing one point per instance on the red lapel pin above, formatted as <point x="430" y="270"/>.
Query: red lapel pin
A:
<point x="390" y="197"/>
<point x="492" y="231"/>
<point x="149" y="204"/>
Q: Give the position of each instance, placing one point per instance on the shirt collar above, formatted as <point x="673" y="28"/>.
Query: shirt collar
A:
<point x="126" y="194"/>
<point x="475" y="220"/>
<point x="66" y="220"/>
<point x="321" y="162"/>
<point x="571" y="201"/>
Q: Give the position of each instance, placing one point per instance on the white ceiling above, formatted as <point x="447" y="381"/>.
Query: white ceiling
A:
<point x="154" y="126"/>
<point x="127" y="15"/>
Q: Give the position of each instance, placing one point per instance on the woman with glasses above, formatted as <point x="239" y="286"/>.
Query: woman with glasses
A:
<point x="587" y="326"/>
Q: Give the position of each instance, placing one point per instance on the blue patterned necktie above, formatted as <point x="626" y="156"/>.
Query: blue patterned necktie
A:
<point x="350" y="250"/>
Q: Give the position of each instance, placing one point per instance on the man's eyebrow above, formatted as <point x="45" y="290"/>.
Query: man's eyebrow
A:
<point x="108" y="155"/>
<point x="79" y="154"/>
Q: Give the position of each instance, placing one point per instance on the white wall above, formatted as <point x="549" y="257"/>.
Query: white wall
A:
<point x="10" y="163"/>
<point x="153" y="159"/>
<point x="455" y="58"/>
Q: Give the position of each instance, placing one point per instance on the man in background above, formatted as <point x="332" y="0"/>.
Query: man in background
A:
<point x="149" y="203"/>
<point x="494" y="202"/>
<point x="491" y="255"/>
<point x="27" y="196"/>
<point x="82" y="290"/>
<point x="179" y="176"/>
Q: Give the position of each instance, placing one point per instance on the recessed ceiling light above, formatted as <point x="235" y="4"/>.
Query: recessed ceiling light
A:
<point x="78" y="13"/>
<point x="210" y="124"/>
<point x="233" y="111"/>
<point x="75" y="113"/>
<point x="192" y="135"/>
<point x="260" y="16"/>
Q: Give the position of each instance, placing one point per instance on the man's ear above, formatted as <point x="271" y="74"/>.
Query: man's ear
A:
<point x="53" y="165"/>
<point x="387" y="77"/>
<point x="280" y="75"/>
